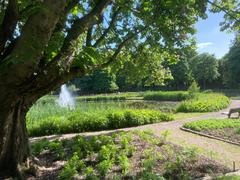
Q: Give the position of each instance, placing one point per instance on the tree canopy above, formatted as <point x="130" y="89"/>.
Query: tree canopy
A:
<point x="231" y="65"/>
<point x="64" y="39"/>
<point x="204" y="68"/>
<point x="44" y="43"/>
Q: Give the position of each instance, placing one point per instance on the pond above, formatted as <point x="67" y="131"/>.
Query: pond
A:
<point x="46" y="108"/>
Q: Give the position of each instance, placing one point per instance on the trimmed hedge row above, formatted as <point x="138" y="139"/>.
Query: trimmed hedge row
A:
<point x="84" y="122"/>
<point x="166" y="95"/>
<point x="213" y="124"/>
<point x="205" y="102"/>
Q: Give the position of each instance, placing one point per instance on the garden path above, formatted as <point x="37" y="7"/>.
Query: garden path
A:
<point x="222" y="152"/>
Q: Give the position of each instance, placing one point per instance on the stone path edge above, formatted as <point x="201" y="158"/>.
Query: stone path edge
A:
<point x="209" y="136"/>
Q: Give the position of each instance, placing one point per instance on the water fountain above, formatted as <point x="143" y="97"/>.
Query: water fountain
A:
<point x="65" y="98"/>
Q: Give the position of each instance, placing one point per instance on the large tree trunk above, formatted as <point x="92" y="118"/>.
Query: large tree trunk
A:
<point x="14" y="148"/>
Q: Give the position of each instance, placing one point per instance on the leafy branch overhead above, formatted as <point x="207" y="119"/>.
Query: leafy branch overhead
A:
<point x="67" y="38"/>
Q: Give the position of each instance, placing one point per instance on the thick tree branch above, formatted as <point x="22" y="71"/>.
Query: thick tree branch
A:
<point x="9" y="23"/>
<point x="106" y="31"/>
<point x="89" y="37"/>
<point x="117" y="51"/>
<point x="35" y="35"/>
<point x="119" y="48"/>
<point x="82" y="24"/>
<point x="59" y="67"/>
<point x="64" y="59"/>
<point x="61" y="24"/>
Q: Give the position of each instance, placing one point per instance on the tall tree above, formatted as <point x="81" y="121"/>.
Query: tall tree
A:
<point x="182" y="76"/>
<point x="204" y="68"/>
<point x="181" y="70"/>
<point x="100" y="81"/>
<point x="231" y="65"/>
<point x="46" y="43"/>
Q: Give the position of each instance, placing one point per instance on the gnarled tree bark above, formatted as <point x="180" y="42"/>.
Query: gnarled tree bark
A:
<point x="13" y="137"/>
<point x="23" y="80"/>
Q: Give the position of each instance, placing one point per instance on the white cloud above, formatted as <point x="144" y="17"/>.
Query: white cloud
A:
<point x="204" y="45"/>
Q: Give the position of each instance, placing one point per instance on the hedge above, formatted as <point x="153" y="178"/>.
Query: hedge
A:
<point x="205" y="102"/>
<point x="83" y="122"/>
<point x="166" y="95"/>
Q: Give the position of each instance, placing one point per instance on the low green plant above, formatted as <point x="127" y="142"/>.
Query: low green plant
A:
<point x="193" y="89"/>
<point x="57" y="148"/>
<point x="177" y="169"/>
<point x="73" y="166"/>
<point x="107" y="152"/>
<point x="165" y="134"/>
<point x="124" y="164"/>
<point x="205" y="102"/>
<point x="212" y="124"/>
<point x="89" y="173"/>
<point x="104" y="167"/>
<point x="238" y="130"/>
<point x="228" y="178"/>
<point x="82" y="122"/>
<point x="108" y="157"/>
<point x="151" y="156"/>
<point x="149" y="164"/>
<point x="39" y="146"/>
<point x="151" y="176"/>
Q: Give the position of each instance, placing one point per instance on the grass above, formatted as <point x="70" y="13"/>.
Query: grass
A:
<point x="166" y="95"/>
<point x="213" y="124"/>
<point x="204" y="102"/>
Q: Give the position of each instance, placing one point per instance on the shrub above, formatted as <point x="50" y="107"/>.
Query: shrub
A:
<point x="212" y="124"/>
<point x="166" y="95"/>
<point x="130" y="118"/>
<point x="206" y="102"/>
<point x="82" y="122"/>
<point x="193" y="89"/>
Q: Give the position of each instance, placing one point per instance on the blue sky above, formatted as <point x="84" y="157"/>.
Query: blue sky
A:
<point x="209" y="37"/>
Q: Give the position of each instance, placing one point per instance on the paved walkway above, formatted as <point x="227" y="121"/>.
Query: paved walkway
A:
<point x="223" y="152"/>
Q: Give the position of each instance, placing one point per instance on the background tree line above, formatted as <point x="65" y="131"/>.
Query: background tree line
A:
<point x="208" y="71"/>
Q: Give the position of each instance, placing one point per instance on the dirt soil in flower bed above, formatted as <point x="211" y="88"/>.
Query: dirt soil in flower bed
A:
<point x="50" y="166"/>
<point x="229" y="134"/>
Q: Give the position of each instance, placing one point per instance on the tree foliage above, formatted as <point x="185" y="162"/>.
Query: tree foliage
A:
<point x="82" y="36"/>
<point x="231" y="65"/>
<point x="204" y="68"/>
<point x="46" y="43"/>
<point x="100" y="81"/>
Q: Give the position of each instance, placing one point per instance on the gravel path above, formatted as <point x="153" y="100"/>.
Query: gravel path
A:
<point x="223" y="152"/>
